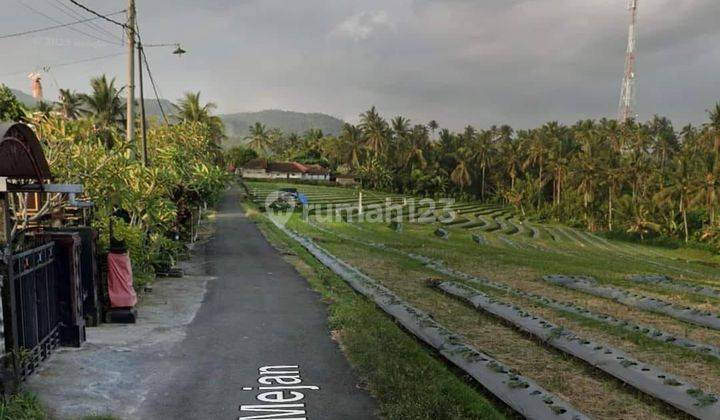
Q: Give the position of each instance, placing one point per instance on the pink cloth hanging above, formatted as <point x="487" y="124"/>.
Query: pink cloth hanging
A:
<point x="120" y="281"/>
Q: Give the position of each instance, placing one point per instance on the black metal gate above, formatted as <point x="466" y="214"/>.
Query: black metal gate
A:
<point x="33" y="275"/>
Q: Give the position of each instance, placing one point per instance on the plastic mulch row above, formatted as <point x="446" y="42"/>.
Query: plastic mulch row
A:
<point x="520" y="393"/>
<point x="681" y="286"/>
<point x="649" y="332"/>
<point x="645" y="378"/>
<point x="684" y="313"/>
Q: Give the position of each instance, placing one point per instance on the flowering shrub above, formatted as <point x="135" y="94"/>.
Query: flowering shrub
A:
<point x="183" y="174"/>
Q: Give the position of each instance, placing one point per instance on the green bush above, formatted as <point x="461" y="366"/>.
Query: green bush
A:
<point x="21" y="407"/>
<point x="183" y="175"/>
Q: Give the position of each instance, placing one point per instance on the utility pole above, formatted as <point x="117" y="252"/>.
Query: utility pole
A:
<point x="627" y="95"/>
<point x="130" y="135"/>
<point x="143" y="124"/>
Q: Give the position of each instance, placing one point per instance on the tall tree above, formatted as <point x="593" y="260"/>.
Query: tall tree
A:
<point x="260" y="138"/>
<point x="375" y="130"/>
<point x="103" y="104"/>
<point x="191" y="109"/>
<point x="69" y="103"/>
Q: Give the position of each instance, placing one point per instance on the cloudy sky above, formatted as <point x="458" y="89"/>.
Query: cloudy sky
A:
<point x="460" y="62"/>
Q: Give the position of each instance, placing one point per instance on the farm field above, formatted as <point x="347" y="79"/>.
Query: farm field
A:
<point x="502" y="257"/>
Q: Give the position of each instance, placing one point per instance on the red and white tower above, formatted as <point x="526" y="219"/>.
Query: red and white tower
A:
<point x="627" y="95"/>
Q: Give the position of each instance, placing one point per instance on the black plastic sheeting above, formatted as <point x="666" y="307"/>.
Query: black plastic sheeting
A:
<point x="649" y="332"/>
<point x="673" y="284"/>
<point x="591" y="286"/>
<point x="645" y="378"/>
<point x="520" y="393"/>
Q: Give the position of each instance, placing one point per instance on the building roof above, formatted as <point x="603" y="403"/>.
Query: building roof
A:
<point x="316" y="170"/>
<point x="286" y="167"/>
<point x="256" y="164"/>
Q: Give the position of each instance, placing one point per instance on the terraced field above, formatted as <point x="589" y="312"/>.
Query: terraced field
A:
<point x="604" y="328"/>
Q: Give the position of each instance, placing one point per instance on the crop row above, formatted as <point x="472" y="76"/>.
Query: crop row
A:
<point x="646" y="331"/>
<point x="591" y="286"/>
<point x="643" y="377"/>
<point x="521" y="394"/>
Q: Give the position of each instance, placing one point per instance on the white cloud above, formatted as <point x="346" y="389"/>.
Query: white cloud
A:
<point x="363" y="25"/>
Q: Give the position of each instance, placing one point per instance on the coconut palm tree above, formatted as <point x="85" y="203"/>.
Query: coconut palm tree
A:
<point x="353" y="141"/>
<point x="376" y="131"/>
<point x="69" y="103"/>
<point x="260" y="138"/>
<point x="103" y="104"/>
<point x="433" y="126"/>
<point x="189" y="108"/>
<point x="460" y="176"/>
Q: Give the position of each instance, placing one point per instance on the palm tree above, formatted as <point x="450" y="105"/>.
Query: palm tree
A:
<point x="260" y="138"/>
<point x="460" y="176"/>
<point x="414" y="154"/>
<point x="376" y="131"/>
<point x="685" y="190"/>
<point x="352" y="139"/>
<point x="433" y="126"/>
<point x="483" y="150"/>
<point x="190" y="109"/>
<point x="103" y="104"/>
<point x="535" y="144"/>
<point x="69" y="104"/>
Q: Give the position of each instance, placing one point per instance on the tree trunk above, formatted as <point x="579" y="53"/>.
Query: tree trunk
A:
<point x="685" y="222"/>
<point x="482" y="189"/>
<point x="540" y="188"/>
<point x="610" y="208"/>
<point x="559" y="192"/>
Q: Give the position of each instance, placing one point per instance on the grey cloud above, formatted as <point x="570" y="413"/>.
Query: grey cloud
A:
<point x="461" y="62"/>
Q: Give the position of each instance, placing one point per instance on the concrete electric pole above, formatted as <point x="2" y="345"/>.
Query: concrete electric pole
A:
<point x="131" y="73"/>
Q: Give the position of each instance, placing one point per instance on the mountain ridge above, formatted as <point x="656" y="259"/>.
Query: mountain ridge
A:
<point x="237" y="124"/>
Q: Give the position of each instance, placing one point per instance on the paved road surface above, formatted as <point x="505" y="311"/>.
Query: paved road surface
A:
<point x="258" y="313"/>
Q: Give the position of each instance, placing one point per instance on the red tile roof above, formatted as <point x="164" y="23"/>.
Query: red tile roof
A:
<point x="286" y="167"/>
<point x="256" y="164"/>
<point x="316" y="170"/>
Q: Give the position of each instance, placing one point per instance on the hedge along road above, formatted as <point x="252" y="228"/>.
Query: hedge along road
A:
<point x="259" y="346"/>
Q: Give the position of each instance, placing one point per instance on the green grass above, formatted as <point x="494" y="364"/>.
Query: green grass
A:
<point x="22" y="407"/>
<point x="407" y="381"/>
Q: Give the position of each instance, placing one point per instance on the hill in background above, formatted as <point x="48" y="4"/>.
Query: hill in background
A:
<point x="237" y="125"/>
<point x="24" y="98"/>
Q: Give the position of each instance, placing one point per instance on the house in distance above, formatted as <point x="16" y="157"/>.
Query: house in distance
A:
<point x="262" y="169"/>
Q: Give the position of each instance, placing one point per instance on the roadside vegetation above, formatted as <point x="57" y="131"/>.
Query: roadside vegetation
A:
<point x="407" y="381"/>
<point x="21" y="407"/>
<point x="151" y="206"/>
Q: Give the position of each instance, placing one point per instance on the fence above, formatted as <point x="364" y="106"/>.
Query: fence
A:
<point x="33" y="274"/>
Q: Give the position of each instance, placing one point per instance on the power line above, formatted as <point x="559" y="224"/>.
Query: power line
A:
<point x="149" y="72"/>
<point x="72" y="13"/>
<point x="49" y="28"/>
<point x="98" y="14"/>
<point x="54" y="66"/>
<point x="27" y="6"/>
<point x="154" y="86"/>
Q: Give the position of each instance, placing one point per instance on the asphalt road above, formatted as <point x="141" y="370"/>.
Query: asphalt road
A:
<point x="260" y="326"/>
